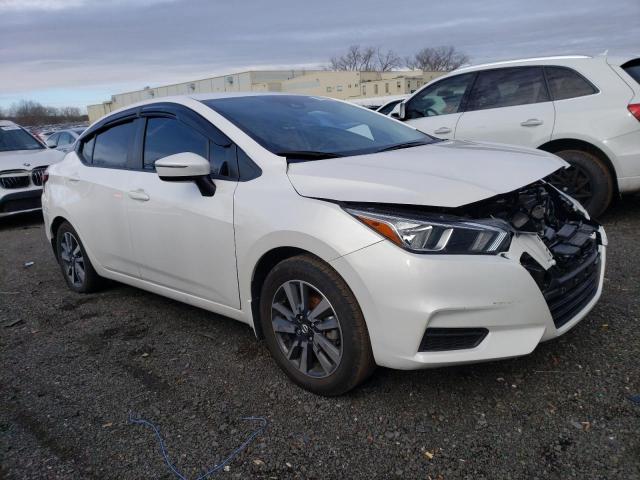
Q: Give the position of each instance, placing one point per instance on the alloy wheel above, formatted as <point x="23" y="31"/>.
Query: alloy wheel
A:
<point x="72" y="259"/>
<point x="574" y="181"/>
<point x="307" y="328"/>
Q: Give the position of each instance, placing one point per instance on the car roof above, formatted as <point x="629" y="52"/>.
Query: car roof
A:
<point x="521" y="61"/>
<point x="8" y="123"/>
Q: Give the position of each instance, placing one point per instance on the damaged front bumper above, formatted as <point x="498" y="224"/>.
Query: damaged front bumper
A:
<point x="436" y="310"/>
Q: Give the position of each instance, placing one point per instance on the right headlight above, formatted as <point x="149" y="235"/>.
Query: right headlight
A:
<point x="444" y="236"/>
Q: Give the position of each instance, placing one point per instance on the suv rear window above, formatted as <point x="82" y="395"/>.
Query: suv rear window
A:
<point x="633" y="69"/>
<point x="567" y="83"/>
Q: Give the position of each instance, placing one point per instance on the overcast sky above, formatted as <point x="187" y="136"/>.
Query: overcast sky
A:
<point x="77" y="52"/>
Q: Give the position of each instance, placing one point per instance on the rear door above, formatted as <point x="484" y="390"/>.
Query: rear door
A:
<point x="508" y="105"/>
<point x="103" y="180"/>
<point x="181" y="239"/>
<point x="435" y="110"/>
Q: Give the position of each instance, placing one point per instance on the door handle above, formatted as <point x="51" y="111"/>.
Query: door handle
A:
<point x="532" y="122"/>
<point x="139" y="195"/>
<point x="442" y="131"/>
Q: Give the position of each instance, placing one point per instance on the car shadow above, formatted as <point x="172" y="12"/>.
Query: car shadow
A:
<point x="21" y="220"/>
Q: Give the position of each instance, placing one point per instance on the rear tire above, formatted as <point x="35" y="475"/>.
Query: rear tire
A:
<point x="588" y="180"/>
<point x="322" y="342"/>
<point x="76" y="267"/>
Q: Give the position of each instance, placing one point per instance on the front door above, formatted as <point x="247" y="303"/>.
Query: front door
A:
<point x="436" y="109"/>
<point x="181" y="239"/>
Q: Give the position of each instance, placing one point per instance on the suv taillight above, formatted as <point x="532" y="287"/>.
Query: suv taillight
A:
<point x="634" y="108"/>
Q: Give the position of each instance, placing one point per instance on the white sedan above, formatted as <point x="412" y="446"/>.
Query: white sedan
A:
<point x="346" y="239"/>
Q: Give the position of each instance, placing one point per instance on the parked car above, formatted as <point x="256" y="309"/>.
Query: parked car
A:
<point x="23" y="161"/>
<point x="345" y="238"/>
<point x="584" y="109"/>
<point x="63" y="140"/>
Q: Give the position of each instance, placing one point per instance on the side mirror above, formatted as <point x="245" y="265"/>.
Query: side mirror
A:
<point x="187" y="167"/>
<point x="402" y="111"/>
<point x="51" y="143"/>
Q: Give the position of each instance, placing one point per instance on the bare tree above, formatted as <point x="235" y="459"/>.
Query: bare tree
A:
<point x="387" y="60"/>
<point x="357" y="58"/>
<point x="438" y="59"/>
<point x="28" y="112"/>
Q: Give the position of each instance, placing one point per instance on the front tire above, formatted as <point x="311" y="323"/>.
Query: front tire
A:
<point x="314" y="327"/>
<point x="74" y="262"/>
<point x="588" y="180"/>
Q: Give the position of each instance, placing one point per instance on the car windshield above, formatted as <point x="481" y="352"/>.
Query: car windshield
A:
<point x="311" y="128"/>
<point x="13" y="137"/>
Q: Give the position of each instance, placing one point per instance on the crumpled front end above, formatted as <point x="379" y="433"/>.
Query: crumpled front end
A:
<point x="426" y="310"/>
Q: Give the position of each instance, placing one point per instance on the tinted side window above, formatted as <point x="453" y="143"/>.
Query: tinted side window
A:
<point x="633" y="69"/>
<point x="86" y="149"/>
<point x="167" y="136"/>
<point x="65" y="139"/>
<point x="112" y="146"/>
<point x="440" y="99"/>
<point x="566" y="83"/>
<point x="508" y="87"/>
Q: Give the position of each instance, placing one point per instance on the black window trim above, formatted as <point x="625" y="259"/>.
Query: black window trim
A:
<point x="596" y="90"/>
<point x="183" y="114"/>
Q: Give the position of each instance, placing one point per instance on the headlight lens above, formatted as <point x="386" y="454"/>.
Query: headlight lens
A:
<point x="425" y="235"/>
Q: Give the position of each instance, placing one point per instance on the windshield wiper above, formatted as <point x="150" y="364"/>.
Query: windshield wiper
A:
<point x="398" y="146"/>
<point x="307" y="155"/>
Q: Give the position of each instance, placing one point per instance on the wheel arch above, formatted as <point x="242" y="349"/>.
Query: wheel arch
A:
<point x="55" y="225"/>
<point x="265" y="264"/>
<point x="557" y="145"/>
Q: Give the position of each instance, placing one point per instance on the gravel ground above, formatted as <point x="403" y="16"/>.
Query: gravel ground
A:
<point x="74" y="366"/>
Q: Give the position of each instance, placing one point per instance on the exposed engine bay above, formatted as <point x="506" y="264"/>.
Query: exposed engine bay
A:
<point x="539" y="208"/>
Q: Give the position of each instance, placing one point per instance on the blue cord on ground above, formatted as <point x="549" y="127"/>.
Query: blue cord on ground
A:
<point x="216" y="468"/>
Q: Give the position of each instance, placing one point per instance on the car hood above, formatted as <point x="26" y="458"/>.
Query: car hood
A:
<point x="28" y="159"/>
<point x="443" y="174"/>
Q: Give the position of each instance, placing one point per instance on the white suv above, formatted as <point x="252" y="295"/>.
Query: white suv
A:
<point x="23" y="161"/>
<point x="584" y="109"/>
<point x="343" y="237"/>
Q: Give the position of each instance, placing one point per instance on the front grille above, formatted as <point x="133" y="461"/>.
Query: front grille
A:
<point x="442" y="339"/>
<point x="36" y="175"/>
<point x="569" y="294"/>
<point x="11" y="179"/>
<point x="20" y="204"/>
<point x="568" y="286"/>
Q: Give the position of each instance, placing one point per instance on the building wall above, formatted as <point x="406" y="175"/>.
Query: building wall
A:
<point x="341" y="85"/>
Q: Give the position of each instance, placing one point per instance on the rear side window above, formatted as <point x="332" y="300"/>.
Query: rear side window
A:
<point x="112" y="146"/>
<point x="633" y="69"/>
<point x="167" y="136"/>
<point x="508" y="87"/>
<point x="566" y="83"/>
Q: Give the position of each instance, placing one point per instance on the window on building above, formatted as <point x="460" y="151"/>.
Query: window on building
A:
<point x="339" y="88"/>
<point x="112" y="146"/>
<point x="375" y="89"/>
<point x="329" y="89"/>
<point x="364" y="89"/>
<point x="386" y="87"/>
<point x="399" y="85"/>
